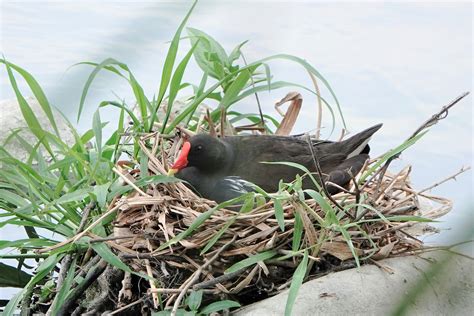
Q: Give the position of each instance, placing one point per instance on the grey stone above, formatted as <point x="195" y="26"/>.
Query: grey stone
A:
<point x="370" y="290"/>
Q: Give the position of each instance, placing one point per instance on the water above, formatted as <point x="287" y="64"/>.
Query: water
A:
<point x="390" y="63"/>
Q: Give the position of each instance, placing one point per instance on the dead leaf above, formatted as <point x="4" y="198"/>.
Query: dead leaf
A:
<point x="384" y="252"/>
<point x="339" y="250"/>
<point x="289" y="118"/>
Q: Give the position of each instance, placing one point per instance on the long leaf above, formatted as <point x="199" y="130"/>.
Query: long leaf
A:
<point x="28" y="114"/>
<point x="219" y="306"/>
<point x="85" y="90"/>
<point x="175" y="84"/>
<point x="168" y="65"/>
<point x="390" y="154"/>
<point x="298" y="278"/>
<point x="251" y="261"/>
<point x="279" y="214"/>
<point x="38" y="93"/>
<point x="64" y="290"/>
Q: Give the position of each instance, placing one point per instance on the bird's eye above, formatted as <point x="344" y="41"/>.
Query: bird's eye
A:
<point x="199" y="147"/>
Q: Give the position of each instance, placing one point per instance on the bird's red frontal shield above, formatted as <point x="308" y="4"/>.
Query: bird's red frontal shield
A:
<point x="182" y="160"/>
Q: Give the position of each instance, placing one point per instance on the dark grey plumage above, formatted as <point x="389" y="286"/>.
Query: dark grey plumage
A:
<point x="211" y="159"/>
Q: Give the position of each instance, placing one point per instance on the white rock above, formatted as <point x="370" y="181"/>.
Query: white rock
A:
<point x="373" y="291"/>
<point x="11" y="119"/>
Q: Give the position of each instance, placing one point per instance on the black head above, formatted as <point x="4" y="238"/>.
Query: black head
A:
<point x="207" y="153"/>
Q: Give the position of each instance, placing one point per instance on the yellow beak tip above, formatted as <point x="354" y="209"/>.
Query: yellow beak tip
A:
<point x="172" y="172"/>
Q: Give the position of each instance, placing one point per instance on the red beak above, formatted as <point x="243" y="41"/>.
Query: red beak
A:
<point x="182" y="160"/>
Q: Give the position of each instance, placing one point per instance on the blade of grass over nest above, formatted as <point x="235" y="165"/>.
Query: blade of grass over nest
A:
<point x="38" y="93"/>
<point x="168" y="67"/>
<point x="105" y="253"/>
<point x="283" y="84"/>
<point x="43" y="269"/>
<point x="391" y="153"/>
<point x="298" y="278"/>
<point x="201" y="219"/>
<point x="115" y="191"/>
<point x="297" y="233"/>
<point x="176" y="83"/>
<point x="251" y="261"/>
<point x="142" y="100"/>
<point x="297" y="166"/>
<point x="406" y="218"/>
<point x="347" y="238"/>
<point x="28" y="114"/>
<point x="253" y="117"/>
<point x="217" y="236"/>
<point x="330" y="217"/>
<point x="279" y="214"/>
<point x="26" y="243"/>
<point x="219" y="306"/>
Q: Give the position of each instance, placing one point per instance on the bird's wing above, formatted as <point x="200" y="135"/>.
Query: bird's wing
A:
<point x="228" y="188"/>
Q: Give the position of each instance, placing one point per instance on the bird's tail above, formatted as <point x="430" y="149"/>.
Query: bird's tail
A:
<point x="358" y="143"/>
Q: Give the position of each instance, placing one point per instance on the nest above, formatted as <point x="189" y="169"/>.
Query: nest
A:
<point x="156" y="232"/>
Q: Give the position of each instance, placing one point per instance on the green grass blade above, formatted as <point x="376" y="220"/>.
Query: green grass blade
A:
<point x="168" y="65"/>
<point x="38" y="93"/>
<point x="176" y="83"/>
<point x="217" y="236"/>
<point x="219" y="306"/>
<point x="194" y="300"/>
<point x="28" y="114"/>
<point x="390" y="154"/>
<point x="236" y="87"/>
<point x="97" y="127"/>
<point x="251" y="261"/>
<point x="74" y="196"/>
<point x="297" y="233"/>
<point x="347" y="238"/>
<point x="143" y="102"/>
<point x="85" y="90"/>
<point x="64" y="290"/>
<point x="236" y="52"/>
<point x="298" y="278"/>
<point x="105" y="253"/>
<point x="279" y="214"/>
<point x="201" y="219"/>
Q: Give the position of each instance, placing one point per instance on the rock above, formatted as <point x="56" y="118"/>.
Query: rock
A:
<point x="11" y="119"/>
<point x="371" y="290"/>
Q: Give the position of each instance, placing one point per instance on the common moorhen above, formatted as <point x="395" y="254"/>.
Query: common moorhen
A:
<point x="219" y="168"/>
